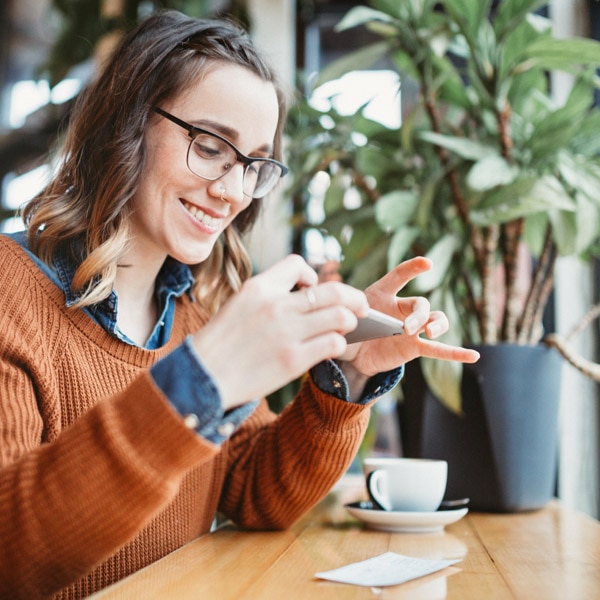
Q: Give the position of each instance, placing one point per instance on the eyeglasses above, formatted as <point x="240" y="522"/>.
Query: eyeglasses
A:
<point x="210" y="156"/>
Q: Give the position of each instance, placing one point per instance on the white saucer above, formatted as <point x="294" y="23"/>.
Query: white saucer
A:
<point x="405" y="522"/>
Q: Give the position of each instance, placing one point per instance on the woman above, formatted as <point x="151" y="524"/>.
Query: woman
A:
<point x="136" y="349"/>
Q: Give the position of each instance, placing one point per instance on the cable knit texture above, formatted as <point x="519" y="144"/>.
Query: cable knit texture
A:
<point x="98" y="474"/>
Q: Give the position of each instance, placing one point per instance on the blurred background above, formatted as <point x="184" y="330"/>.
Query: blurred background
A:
<point x="49" y="48"/>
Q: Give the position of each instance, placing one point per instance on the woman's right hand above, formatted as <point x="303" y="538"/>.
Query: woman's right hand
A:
<point x="267" y="335"/>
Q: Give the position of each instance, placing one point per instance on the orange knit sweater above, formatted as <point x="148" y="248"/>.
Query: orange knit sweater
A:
<point x="99" y="476"/>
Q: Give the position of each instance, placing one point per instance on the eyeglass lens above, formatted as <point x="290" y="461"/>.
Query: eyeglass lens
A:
<point x="210" y="158"/>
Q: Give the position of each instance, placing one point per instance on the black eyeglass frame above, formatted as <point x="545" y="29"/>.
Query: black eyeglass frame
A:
<point x="194" y="131"/>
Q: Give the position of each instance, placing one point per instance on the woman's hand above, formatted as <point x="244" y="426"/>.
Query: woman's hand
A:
<point x="379" y="355"/>
<point x="267" y="335"/>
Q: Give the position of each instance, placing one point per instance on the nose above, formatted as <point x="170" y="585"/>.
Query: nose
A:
<point x="230" y="187"/>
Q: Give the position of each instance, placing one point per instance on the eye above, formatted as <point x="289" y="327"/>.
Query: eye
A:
<point x="209" y="148"/>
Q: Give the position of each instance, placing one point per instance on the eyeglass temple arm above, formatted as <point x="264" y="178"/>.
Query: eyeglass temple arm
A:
<point x="189" y="128"/>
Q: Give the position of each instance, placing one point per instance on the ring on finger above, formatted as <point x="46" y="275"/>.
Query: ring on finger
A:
<point x="311" y="298"/>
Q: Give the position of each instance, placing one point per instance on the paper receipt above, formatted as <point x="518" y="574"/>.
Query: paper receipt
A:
<point x="386" y="569"/>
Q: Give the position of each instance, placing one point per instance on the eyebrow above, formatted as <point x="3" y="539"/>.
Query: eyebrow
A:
<point x="228" y="132"/>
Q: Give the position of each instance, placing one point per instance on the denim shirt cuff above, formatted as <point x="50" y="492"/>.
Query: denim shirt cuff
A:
<point x="196" y="397"/>
<point x="328" y="377"/>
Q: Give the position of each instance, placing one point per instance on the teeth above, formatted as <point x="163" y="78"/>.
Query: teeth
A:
<point x="205" y="219"/>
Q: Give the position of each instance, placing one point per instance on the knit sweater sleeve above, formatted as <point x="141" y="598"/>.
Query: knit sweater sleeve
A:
<point x="281" y="467"/>
<point x="71" y="496"/>
<point x="67" y="506"/>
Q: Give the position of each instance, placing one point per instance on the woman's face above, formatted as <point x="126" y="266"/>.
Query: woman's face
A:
<point x="176" y="212"/>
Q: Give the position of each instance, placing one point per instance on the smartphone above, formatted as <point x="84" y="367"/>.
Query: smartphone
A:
<point x="375" y="325"/>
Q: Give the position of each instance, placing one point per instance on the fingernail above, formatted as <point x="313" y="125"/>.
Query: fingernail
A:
<point x="434" y="329"/>
<point x="411" y="324"/>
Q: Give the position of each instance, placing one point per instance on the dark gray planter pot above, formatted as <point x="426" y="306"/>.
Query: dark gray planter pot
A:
<point x="502" y="452"/>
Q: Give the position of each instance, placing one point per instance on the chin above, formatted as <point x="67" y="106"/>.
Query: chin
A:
<point x="193" y="258"/>
<point x="192" y="250"/>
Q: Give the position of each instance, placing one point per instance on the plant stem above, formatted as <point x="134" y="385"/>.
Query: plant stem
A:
<point x="536" y="332"/>
<point x="532" y="311"/>
<point x="488" y="288"/>
<point x="373" y="194"/>
<point x="512" y="233"/>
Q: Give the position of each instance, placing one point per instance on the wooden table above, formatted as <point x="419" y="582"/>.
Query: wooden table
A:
<point x="553" y="553"/>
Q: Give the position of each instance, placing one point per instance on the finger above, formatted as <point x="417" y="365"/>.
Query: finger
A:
<point x="442" y="351"/>
<point x="391" y="283"/>
<point x="416" y="313"/>
<point x="289" y="272"/>
<point x="313" y="298"/>
<point x="438" y="324"/>
<point x="338" y="319"/>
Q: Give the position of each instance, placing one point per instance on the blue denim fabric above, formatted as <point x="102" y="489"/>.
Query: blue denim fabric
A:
<point x="197" y="393"/>
<point x="329" y="378"/>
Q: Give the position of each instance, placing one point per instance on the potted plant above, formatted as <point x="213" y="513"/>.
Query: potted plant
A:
<point x="493" y="179"/>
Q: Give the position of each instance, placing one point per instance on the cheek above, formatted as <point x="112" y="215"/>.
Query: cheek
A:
<point x="165" y="158"/>
<point x="162" y="172"/>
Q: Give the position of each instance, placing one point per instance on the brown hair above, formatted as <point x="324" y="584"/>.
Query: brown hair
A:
<point x="86" y="205"/>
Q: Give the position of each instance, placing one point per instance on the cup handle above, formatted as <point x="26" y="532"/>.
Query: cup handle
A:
<point x="373" y="479"/>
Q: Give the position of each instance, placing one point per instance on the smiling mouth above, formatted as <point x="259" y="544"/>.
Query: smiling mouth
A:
<point x="200" y="215"/>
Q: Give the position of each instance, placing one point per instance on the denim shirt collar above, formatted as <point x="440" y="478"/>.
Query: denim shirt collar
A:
<point x="174" y="279"/>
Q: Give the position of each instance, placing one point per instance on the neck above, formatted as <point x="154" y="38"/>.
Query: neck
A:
<point x="135" y="285"/>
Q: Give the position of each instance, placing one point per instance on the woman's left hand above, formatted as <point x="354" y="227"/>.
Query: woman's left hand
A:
<point x="382" y="354"/>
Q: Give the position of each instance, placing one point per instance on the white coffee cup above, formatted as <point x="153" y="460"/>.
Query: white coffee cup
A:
<point x="406" y="484"/>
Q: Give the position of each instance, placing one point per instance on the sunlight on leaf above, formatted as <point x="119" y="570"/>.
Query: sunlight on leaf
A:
<point x="441" y="256"/>
<point x="469" y="149"/>
<point x="393" y="210"/>
<point x="491" y="171"/>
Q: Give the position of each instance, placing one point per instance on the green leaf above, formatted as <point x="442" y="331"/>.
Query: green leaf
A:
<point x="443" y="376"/>
<point x="360" y="15"/>
<point x="393" y="210"/>
<point x="470" y="16"/>
<point x="556" y="129"/>
<point x="511" y="14"/>
<point x="523" y="93"/>
<point x="441" y="255"/>
<point x="426" y="202"/>
<point x="490" y="172"/>
<point x="400" y="244"/>
<point x="362" y="58"/>
<point x="587" y="218"/>
<point x="334" y="196"/>
<point x="511" y="44"/>
<point x="371" y="266"/>
<point x="452" y="89"/>
<point x="365" y="236"/>
<point x="587" y="140"/>
<point x="464" y="147"/>
<point x="370" y="160"/>
<point x="564" y="231"/>
<point x="485" y="55"/>
<point x="521" y="198"/>
<point x="581" y="95"/>
<point x="581" y="175"/>
<point x="561" y="54"/>
<point x="534" y="234"/>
